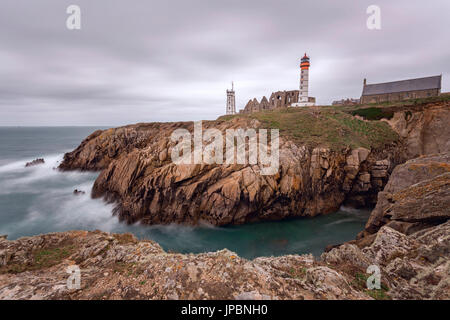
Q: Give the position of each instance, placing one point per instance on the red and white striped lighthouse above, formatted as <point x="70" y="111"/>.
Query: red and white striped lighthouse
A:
<point x="304" y="99"/>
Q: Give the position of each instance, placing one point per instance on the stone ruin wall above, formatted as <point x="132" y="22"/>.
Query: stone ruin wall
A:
<point x="279" y="99"/>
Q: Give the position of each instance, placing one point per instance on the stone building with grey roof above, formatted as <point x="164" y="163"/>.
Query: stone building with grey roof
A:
<point x="401" y="90"/>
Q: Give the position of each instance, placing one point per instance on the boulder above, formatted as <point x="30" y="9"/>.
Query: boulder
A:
<point x="417" y="192"/>
<point x="35" y="162"/>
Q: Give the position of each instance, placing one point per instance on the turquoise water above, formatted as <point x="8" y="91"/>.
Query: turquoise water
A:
<point x="40" y="200"/>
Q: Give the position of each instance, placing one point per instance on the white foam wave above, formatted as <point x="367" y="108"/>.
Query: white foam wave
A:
<point x="334" y="223"/>
<point x="15" y="177"/>
<point x="349" y="209"/>
<point x="43" y="200"/>
<point x="58" y="209"/>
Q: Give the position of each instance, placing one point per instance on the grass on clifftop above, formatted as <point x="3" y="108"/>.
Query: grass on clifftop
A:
<point x="324" y="126"/>
<point x="42" y="259"/>
<point x="445" y="97"/>
<point x="385" y="110"/>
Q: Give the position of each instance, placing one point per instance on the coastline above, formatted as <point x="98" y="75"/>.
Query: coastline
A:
<point x="408" y="246"/>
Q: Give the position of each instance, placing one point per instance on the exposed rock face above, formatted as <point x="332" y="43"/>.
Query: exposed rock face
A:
<point x="408" y="233"/>
<point x="115" y="266"/>
<point x="101" y="147"/>
<point x="139" y="175"/>
<point x="412" y="267"/>
<point x="137" y="172"/>
<point x="119" y="267"/>
<point x="425" y="130"/>
<point x="416" y="196"/>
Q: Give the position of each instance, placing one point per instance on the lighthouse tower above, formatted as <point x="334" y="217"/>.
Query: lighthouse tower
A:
<point x="231" y="100"/>
<point x="304" y="100"/>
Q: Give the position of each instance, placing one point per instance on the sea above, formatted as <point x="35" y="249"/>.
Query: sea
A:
<point x="40" y="199"/>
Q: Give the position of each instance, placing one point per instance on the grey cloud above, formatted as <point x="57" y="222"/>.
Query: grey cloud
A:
<point x="172" y="60"/>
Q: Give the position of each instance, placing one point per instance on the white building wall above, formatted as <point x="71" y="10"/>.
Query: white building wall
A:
<point x="304" y="79"/>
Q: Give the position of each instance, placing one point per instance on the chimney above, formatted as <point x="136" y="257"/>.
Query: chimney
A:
<point x="365" y="81"/>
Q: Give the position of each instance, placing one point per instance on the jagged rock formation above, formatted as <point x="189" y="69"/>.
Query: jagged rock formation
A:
<point x="117" y="266"/>
<point x="416" y="196"/>
<point x="139" y="175"/>
<point x="425" y="129"/>
<point x="408" y="233"/>
<point x="35" y="162"/>
<point x="147" y="186"/>
<point x="413" y="264"/>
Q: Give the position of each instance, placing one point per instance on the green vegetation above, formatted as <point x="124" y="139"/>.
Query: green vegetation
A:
<point x="404" y="103"/>
<point x="385" y="109"/>
<point x="49" y="257"/>
<point x="42" y="258"/>
<point x="373" y="113"/>
<point x="360" y="283"/>
<point x="336" y="126"/>
<point x="298" y="273"/>
<point x="324" y="126"/>
<point x="229" y="117"/>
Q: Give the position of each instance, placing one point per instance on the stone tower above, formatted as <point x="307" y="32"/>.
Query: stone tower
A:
<point x="304" y="100"/>
<point x="231" y="100"/>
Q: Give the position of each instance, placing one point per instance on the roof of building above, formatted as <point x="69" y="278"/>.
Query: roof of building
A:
<point x="403" y="85"/>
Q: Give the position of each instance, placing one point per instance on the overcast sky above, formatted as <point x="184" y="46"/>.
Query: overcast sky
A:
<point x="143" y="60"/>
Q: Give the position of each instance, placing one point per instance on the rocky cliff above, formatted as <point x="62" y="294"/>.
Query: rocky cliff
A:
<point x="408" y="233"/>
<point x="314" y="178"/>
<point x="409" y="241"/>
<point x="407" y="236"/>
<point x="416" y="197"/>
<point x="424" y="128"/>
